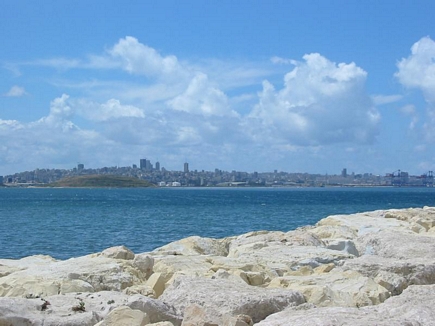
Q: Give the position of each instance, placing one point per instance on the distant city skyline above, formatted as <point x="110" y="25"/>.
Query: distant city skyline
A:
<point x="248" y="86"/>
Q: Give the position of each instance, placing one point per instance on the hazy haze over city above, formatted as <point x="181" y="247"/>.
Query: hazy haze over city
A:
<point x="237" y="85"/>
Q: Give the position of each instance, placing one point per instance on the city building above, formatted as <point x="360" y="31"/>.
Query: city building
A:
<point x="80" y="167"/>
<point x="186" y="167"/>
<point x="143" y="163"/>
<point x="1" y="179"/>
<point x="344" y="173"/>
<point x="157" y="166"/>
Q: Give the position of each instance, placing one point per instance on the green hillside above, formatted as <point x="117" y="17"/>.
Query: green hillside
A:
<point x="101" y="181"/>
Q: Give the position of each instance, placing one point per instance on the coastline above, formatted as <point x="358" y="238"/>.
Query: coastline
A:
<point x="348" y="269"/>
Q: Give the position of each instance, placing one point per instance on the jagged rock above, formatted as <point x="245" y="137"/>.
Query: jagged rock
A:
<point x="195" y="245"/>
<point x="335" y="289"/>
<point x="156" y="310"/>
<point x="125" y="316"/>
<point x="386" y="243"/>
<point x="88" y="273"/>
<point x="142" y="289"/>
<point x="168" y="265"/>
<point x="156" y="283"/>
<point x="145" y="263"/>
<point x="68" y="310"/>
<point x="354" y="260"/>
<point x="413" y="307"/>
<point x="221" y="297"/>
<point x="120" y="252"/>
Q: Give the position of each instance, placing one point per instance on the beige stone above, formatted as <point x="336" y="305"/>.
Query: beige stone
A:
<point x="335" y="288"/>
<point x="120" y="252"/>
<point x="156" y="283"/>
<point x="125" y="316"/>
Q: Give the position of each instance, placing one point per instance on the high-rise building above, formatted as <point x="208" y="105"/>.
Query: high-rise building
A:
<point x="149" y="166"/>
<point x="143" y="163"/>
<point x="344" y="173"/>
<point x="1" y="179"/>
<point x="80" y="167"/>
<point x="186" y="167"/>
<point x="157" y="166"/>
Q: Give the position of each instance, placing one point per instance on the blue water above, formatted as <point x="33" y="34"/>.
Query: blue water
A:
<point x="66" y="223"/>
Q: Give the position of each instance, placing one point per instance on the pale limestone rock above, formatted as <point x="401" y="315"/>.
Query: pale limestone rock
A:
<point x="399" y="245"/>
<point x="335" y="288"/>
<point x="195" y="245"/>
<point x="97" y="306"/>
<point x="235" y="276"/>
<point x="162" y="323"/>
<point x="145" y="263"/>
<point x="6" y="270"/>
<point x="125" y="316"/>
<point x="90" y="273"/>
<point x="168" y="265"/>
<point x="120" y="252"/>
<point x="334" y="232"/>
<point x="392" y="282"/>
<point x="221" y="297"/>
<point x="239" y="320"/>
<point x="195" y="315"/>
<point x="280" y="255"/>
<point x="156" y="283"/>
<point x="141" y="289"/>
<point x="325" y="268"/>
<point x="347" y="246"/>
<point x="413" y="307"/>
<point x="156" y="310"/>
<point x="414" y="271"/>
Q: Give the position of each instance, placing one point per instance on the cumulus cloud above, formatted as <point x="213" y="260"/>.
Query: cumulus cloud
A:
<point x="138" y="58"/>
<point x="321" y="103"/>
<point x="202" y="98"/>
<point x="16" y="91"/>
<point x="112" y="109"/>
<point x="417" y="71"/>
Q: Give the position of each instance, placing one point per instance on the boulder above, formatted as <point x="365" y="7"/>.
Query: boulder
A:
<point x="195" y="245"/>
<point x="88" y="273"/>
<point x="145" y="263"/>
<point x="220" y="297"/>
<point x="119" y="252"/>
<point x="83" y="309"/>
<point x="413" y="307"/>
<point x="125" y="316"/>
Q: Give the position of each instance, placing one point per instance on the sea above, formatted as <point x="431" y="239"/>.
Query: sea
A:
<point x="71" y="222"/>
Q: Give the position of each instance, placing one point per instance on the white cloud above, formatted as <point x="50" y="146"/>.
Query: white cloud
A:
<point x="408" y="109"/>
<point x="16" y="91"/>
<point x="202" y="98"/>
<point x="112" y="109"/>
<point x="321" y="103"/>
<point x="386" y="99"/>
<point x="279" y="60"/>
<point x="418" y="71"/>
<point x="138" y="58"/>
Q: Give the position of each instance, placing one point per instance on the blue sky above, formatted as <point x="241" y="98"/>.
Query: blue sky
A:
<point x="297" y="86"/>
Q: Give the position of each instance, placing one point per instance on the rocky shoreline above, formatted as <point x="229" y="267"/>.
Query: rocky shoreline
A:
<point x="361" y="269"/>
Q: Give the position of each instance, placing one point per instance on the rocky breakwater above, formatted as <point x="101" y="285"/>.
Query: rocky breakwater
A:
<point x="360" y="269"/>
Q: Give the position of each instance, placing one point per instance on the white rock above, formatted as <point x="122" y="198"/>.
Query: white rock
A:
<point x="221" y="297"/>
<point x="145" y="263"/>
<point x="125" y="316"/>
<point x="120" y="252"/>
<point x="413" y="307"/>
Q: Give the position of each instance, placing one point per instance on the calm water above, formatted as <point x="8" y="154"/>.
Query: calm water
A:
<point x="66" y="223"/>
